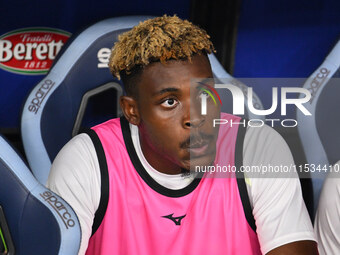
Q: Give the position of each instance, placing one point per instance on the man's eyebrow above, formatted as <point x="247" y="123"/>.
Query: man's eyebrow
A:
<point x="203" y="84"/>
<point x="206" y="80"/>
<point x="163" y="91"/>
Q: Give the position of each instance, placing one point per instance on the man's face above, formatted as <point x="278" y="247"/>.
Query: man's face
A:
<point x="173" y="133"/>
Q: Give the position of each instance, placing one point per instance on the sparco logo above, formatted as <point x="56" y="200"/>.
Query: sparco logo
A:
<point x="59" y="208"/>
<point x="317" y="81"/>
<point x="30" y="50"/>
<point x="40" y="95"/>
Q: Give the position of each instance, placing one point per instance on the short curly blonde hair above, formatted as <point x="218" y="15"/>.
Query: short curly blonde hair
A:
<point x="158" y="39"/>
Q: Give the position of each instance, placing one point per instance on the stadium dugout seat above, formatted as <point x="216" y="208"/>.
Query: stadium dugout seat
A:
<point x="319" y="133"/>
<point x="33" y="220"/>
<point x="54" y="110"/>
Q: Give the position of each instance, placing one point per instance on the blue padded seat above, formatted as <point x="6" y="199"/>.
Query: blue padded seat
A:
<point x="319" y="133"/>
<point x="39" y="221"/>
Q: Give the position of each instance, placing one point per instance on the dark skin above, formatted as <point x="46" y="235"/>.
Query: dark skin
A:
<point x="173" y="133"/>
<point x="168" y="117"/>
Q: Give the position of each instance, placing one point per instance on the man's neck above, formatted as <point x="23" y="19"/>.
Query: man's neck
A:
<point x="156" y="160"/>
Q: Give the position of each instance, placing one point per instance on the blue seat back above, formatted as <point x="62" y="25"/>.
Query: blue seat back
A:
<point x="319" y="133"/>
<point x="51" y="109"/>
<point x="222" y="76"/>
<point x="39" y="221"/>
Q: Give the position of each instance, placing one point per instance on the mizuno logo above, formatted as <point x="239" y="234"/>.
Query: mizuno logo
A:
<point x="176" y="220"/>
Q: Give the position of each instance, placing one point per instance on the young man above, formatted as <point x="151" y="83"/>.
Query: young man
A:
<point x="131" y="180"/>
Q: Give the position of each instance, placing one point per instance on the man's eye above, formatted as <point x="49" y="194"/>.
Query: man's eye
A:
<point x="169" y="103"/>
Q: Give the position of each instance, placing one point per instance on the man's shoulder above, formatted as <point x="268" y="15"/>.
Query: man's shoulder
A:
<point x="108" y="131"/>
<point x="264" y="134"/>
<point x="78" y="142"/>
<point x="255" y="129"/>
<point x="266" y="149"/>
<point x="111" y="123"/>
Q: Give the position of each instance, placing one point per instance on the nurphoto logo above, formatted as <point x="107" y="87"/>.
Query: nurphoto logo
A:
<point x="240" y="100"/>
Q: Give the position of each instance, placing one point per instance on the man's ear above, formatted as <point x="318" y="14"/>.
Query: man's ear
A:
<point x="129" y="108"/>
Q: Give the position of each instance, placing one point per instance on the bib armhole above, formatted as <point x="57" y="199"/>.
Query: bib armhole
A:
<point x="240" y="177"/>
<point x="104" y="177"/>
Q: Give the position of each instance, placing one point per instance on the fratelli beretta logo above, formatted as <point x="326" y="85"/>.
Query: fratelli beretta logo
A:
<point x="31" y="50"/>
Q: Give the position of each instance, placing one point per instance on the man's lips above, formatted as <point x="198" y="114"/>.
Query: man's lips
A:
<point x="198" y="151"/>
<point x="198" y="145"/>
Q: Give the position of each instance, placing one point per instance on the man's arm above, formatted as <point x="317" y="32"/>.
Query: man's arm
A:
<point x="300" y="248"/>
<point x="75" y="176"/>
<point x="282" y="221"/>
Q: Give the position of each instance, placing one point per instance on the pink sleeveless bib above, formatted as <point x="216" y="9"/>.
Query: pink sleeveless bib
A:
<point x="145" y="218"/>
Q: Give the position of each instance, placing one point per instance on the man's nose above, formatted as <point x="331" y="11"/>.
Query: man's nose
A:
<point x="194" y="118"/>
<point x="194" y="123"/>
